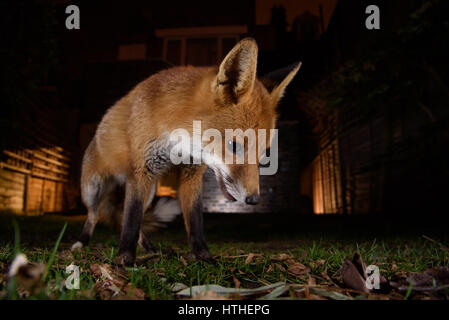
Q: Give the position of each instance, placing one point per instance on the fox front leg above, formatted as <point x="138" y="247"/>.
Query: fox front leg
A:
<point x="190" y="198"/>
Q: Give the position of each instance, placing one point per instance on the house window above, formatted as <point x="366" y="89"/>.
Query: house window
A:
<point x="174" y="52"/>
<point x="201" y="52"/>
<point x="136" y="51"/>
<point x="199" y="46"/>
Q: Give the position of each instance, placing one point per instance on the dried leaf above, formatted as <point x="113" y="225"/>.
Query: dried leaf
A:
<point x="236" y="282"/>
<point x="28" y="275"/>
<point x="223" y="291"/>
<point x="251" y="256"/>
<point x="352" y="277"/>
<point x="184" y="262"/>
<point x="320" y="262"/>
<point x="277" y="292"/>
<point x="280" y="257"/>
<point x="133" y="293"/>
<point x="360" y="265"/>
<point x="279" y="267"/>
<point x="311" y="281"/>
<point x="297" y="269"/>
<point x="329" y="294"/>
<point x="178" y="287"/>
<point x="315" y="297"/>
<point x="210" y="295"/>
<point x="111" y="283"/>
<point x="431" y="280"/>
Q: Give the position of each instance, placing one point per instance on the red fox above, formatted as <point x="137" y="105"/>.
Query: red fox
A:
<point x="131" y="148"/>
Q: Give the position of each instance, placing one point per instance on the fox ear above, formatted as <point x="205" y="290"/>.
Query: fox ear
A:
<point x="237" y="73"/>
<point x="284" y="76"/>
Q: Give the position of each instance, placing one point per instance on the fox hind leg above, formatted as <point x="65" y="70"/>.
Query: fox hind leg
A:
<point x="92" y="194"/>
<point x="145" y="244"/>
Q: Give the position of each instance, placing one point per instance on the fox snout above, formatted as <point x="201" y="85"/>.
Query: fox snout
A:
<point x="240" y="183"/>
<point x="252" y="199"/>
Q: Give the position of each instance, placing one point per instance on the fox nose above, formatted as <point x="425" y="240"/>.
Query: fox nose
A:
<point x="252" y="199"/>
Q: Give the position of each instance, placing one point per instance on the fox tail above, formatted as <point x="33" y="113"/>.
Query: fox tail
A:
<point x="163" y="210"/>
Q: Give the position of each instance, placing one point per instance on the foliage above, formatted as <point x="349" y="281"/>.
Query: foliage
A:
<point x="298" y="258"/>
<point x="396" y="69"/>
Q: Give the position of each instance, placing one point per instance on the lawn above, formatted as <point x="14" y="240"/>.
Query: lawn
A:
<point x="290" y="258"/>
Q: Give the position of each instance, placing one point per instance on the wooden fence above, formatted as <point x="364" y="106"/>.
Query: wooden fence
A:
<point x="347" y="174"/>
<point x="33" y="180"/>
<point x="35" y="164"/>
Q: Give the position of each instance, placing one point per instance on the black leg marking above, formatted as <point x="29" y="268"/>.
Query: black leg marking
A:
<point x="130" y="231"/>
<point x="86" y="234"/>
<point x="196" y="237"/>
<point x="146" y="245"/>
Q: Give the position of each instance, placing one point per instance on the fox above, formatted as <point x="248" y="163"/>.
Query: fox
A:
<point x="130" y="150"/>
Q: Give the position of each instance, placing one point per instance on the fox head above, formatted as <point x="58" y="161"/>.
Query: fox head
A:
<point x="244" y="106"/>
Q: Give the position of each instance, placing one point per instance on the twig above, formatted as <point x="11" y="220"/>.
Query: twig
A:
<point x="434" y="241"/>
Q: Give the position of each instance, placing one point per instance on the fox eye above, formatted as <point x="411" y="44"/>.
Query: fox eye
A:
<point x="234" y="146"/>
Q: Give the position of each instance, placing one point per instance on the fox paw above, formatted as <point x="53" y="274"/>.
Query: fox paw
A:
<point x="77" y="246"/>
<point x="125" y="259"/>
<point x="204" y="255"/>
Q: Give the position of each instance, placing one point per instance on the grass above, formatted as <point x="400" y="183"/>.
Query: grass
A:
<point x="319" y="244"/>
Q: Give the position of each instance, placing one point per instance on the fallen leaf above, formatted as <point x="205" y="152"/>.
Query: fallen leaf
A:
<point x="277" y="292"/>
<point x="311" y="281"/>
<point x="329" y="294"/>
<point x="315" y="297"/>
<point x="279" y="267"/>
<point x="111" y="283"/>
<point x="223" y="291"/>
<point x="133" y="293"/>
<point x="352" y="277"/>
<point x="251" y="256"/>
<point x="297" y="269"/>
<point x="236" y="282"/>
<point x="28" y="275"/>
<point x="209" y="295"/>
<point x="431" y="280"/>
<point x="320" y="262"/>
<point x="184" y="262"/>
<point x="280" y="257"/>
<point x="178" y="287"/>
